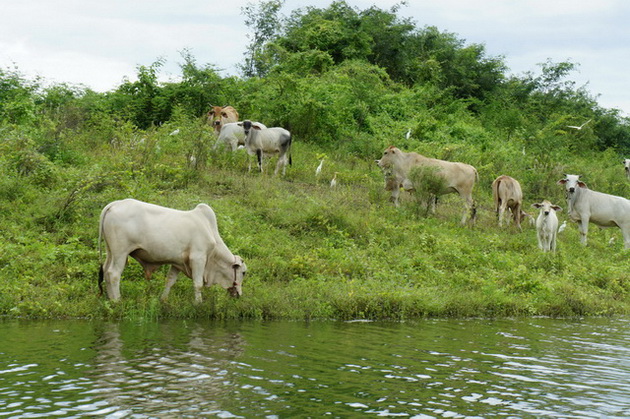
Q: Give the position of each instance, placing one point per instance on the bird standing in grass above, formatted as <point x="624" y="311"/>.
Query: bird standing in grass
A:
<point x="408" y="134"/>
<point x="333" y="182"/>
<point x="318" y="171"/>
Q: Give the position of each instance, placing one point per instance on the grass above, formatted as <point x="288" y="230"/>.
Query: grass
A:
<point x="312" y="252"/>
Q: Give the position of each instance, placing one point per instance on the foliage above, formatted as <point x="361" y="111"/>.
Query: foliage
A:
<point x="312" y="251"/>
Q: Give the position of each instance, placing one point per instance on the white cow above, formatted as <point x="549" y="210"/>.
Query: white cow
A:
<point x="585" y="205"/>
<point x="507" y="194"/>
<point x="189" y="241"/>
<point x="458" y="177"/>
<point x="261" y="142"/>
<point x="626" y="167"/>
<point x="232" y="135"/>
<point x="547" y="225"/>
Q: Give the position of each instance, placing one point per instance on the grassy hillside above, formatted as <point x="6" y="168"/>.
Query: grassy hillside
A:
<point x="312" y="251"/>
<point x="333" y="79"/>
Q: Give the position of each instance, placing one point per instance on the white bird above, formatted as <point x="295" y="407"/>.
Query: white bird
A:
<point x="175" y="132"/>
<point x="611" y="241"/>
<point x="562" y="227"/>
<point x="318" y="171"/>
<point x="333" y="182"/>
<point x="408" y="134"/>
<point x="580" y="127"/>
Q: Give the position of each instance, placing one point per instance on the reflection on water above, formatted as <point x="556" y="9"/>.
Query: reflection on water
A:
<point x="431" y="368"/>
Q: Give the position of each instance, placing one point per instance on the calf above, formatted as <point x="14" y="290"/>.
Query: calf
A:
<point x="547" y="225"/>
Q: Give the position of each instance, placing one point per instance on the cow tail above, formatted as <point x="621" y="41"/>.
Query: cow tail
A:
<point x="495" y="194"/>
<point x="289" y="146"/>
<point x="101" y="272"/>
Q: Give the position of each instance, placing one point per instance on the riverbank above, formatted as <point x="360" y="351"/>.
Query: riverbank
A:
<point x="312" y="251"/>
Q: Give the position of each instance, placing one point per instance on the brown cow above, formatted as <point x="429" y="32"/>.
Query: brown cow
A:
<point x="457" y="177"/>
<point x="218" y="116"/>
<point x="507" y="194"/>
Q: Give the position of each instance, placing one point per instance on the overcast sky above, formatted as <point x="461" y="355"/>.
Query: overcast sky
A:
<point x="98" y="43"/>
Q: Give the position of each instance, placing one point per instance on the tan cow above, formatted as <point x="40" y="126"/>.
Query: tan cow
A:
<point x="218" y="116"/>
<point x="508" y="194"/>
<point x="457" y="177"/>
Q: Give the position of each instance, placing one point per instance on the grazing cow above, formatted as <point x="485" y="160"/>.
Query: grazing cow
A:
<point x="261" y="142"/>
<point x="232" y="135"/>
<point x="189" y="241"/>
<point x="626" y="167"/>
<point x="603" y="210"/>
<point x="547" y="225"/>
<point x="507" y="194"/>
<point x="219" y="116"/>
<point x="457" y="177"/>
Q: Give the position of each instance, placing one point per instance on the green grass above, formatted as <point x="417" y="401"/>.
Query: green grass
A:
<point x="312" y="252"/>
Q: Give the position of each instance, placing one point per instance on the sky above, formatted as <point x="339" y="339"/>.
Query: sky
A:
<point x="97" y="44"/>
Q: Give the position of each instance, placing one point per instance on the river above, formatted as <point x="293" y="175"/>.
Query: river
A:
<point x="534" y="367"/>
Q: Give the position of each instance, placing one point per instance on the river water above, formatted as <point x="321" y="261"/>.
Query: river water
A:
<point x="426" y="368"/>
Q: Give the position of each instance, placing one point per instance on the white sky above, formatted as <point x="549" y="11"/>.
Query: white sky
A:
<point x="98" y="43"/>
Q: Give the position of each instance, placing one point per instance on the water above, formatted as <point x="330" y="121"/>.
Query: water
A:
<point x="428" y="368"/>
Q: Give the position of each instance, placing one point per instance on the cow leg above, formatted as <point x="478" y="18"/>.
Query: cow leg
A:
<point x="259" y="156"/>
<point x="279" y="164"/>
<point x="470" y="210"/>
<point x="394" y="197"/>
<point x="501" y="214"/>
<point x="583" y="227"/>
<point x="626" y="236"/>
<point x="516" y="214"/>
<point x="197" y="264"/>
<point x="171" y="277"/>
<point x="112" y="272"/>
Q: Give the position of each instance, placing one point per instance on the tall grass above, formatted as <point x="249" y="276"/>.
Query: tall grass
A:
<point x="312" y="251"/>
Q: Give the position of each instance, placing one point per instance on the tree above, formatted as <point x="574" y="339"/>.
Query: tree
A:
<point x="264" y="24"/>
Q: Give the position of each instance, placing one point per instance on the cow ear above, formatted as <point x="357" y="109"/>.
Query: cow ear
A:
<point x="581" y="184"/>
<point x="562" y="181"/>
<point x="537" y="205"/>
<point x="256" y="127"/>
<point x="556" y="208"/>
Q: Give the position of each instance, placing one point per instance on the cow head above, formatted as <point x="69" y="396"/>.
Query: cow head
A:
<point x="227" y="273"/>
<point x="390" y="156"/>
<point x="546" y="207"/>
<point x="626" y="166"/>
<point x="571" y="183"/>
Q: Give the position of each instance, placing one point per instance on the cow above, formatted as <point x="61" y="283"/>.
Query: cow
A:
<point x="626" y="167"/>
<point x="189" y="241"/>
<point x="455" y="177"/>
<point x="585" y="205"/>
<point x="507" y="194"/>
<point x="221" y="115"/>
<point x="232" y="135"/>
<point x="261" y="142"/>
<point x="547" y="225"/>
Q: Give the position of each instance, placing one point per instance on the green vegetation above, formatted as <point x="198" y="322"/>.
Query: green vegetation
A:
<point x="347" y="83"/>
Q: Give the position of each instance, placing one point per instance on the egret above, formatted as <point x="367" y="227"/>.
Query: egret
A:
<point x="333" y="182"/>
<point x="562" y="227"/>
<point x="175" y="132"/>
<point x="580" y="127"/>
<point x="408" y="134"/>
<point x="318" y="171"/>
